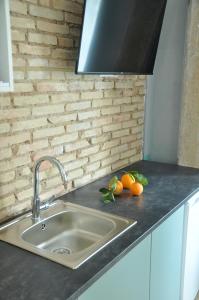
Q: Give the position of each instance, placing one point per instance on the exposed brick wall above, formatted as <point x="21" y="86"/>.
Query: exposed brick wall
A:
<point x="93" y="125"/>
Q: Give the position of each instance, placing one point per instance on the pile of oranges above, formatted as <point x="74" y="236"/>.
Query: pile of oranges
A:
<point x="128" y="182"/>
<point x="132" y="181"/>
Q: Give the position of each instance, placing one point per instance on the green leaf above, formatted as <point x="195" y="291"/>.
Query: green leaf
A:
<point x="107" y="195"/>
<point x="134" y="172"/>
<point x="104" y="190"/>
<point x="112" y="197"/>
<point x="113" y="187"/>
<point x="132" y="176"/>
<point x="145" y="181"/>
<point x="106" y="201"/>
<point x="113" y="183"/>
<point x="139" y="177"/>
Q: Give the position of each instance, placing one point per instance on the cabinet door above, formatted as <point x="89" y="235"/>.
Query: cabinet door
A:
<point x="166" y="258"/>
<point x="190" y="277"/>
<point x="127" y="280"/>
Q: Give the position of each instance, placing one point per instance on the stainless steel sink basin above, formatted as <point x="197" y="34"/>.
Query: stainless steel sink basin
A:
<point x="70" y="230"/>
<point x="67" y="233"/>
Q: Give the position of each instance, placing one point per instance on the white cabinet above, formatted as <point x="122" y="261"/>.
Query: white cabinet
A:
<point x="6" y="72"/>
<point x="127" y="280"/>
<point x="166" y="258"/>
<point x="190" y="278"/>
<point x="150" y="271"/>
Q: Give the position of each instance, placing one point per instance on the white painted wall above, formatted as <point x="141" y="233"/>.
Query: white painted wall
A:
<point x="164" y="88"/>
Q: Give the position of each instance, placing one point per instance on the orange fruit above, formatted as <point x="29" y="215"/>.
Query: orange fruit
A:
<point x="115" y="185"/>
<point x="119" y="188"/>
<point x="127" y="180"/>
<point x="136" y="188"/>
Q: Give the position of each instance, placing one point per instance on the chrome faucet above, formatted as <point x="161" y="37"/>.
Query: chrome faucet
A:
<point x="36" y="199"/>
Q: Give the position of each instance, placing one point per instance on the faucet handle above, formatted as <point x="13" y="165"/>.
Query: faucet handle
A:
<point x="48" y="203"/>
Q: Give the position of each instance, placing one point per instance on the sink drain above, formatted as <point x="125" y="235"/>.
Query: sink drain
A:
<point x="61" y="250"/>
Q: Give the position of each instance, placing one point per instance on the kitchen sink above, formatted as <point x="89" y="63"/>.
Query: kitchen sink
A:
<point x="67" y="233"/>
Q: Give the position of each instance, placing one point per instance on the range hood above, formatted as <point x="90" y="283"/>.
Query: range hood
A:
<point x="120" y="36"/>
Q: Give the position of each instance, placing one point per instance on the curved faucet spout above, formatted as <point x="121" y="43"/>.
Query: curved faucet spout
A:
<point x="36" y="198"/>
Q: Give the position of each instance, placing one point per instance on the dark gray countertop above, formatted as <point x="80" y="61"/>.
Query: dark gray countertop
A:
<point x="24" y="275"/>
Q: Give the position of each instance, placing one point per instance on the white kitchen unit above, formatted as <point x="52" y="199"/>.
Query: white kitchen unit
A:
<point x="6" y="69"/>
<point x="150" y="271"/>
<point x="190" y="276"/>
<point x="129" y="279"/>
<point x="166" y="258"/>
